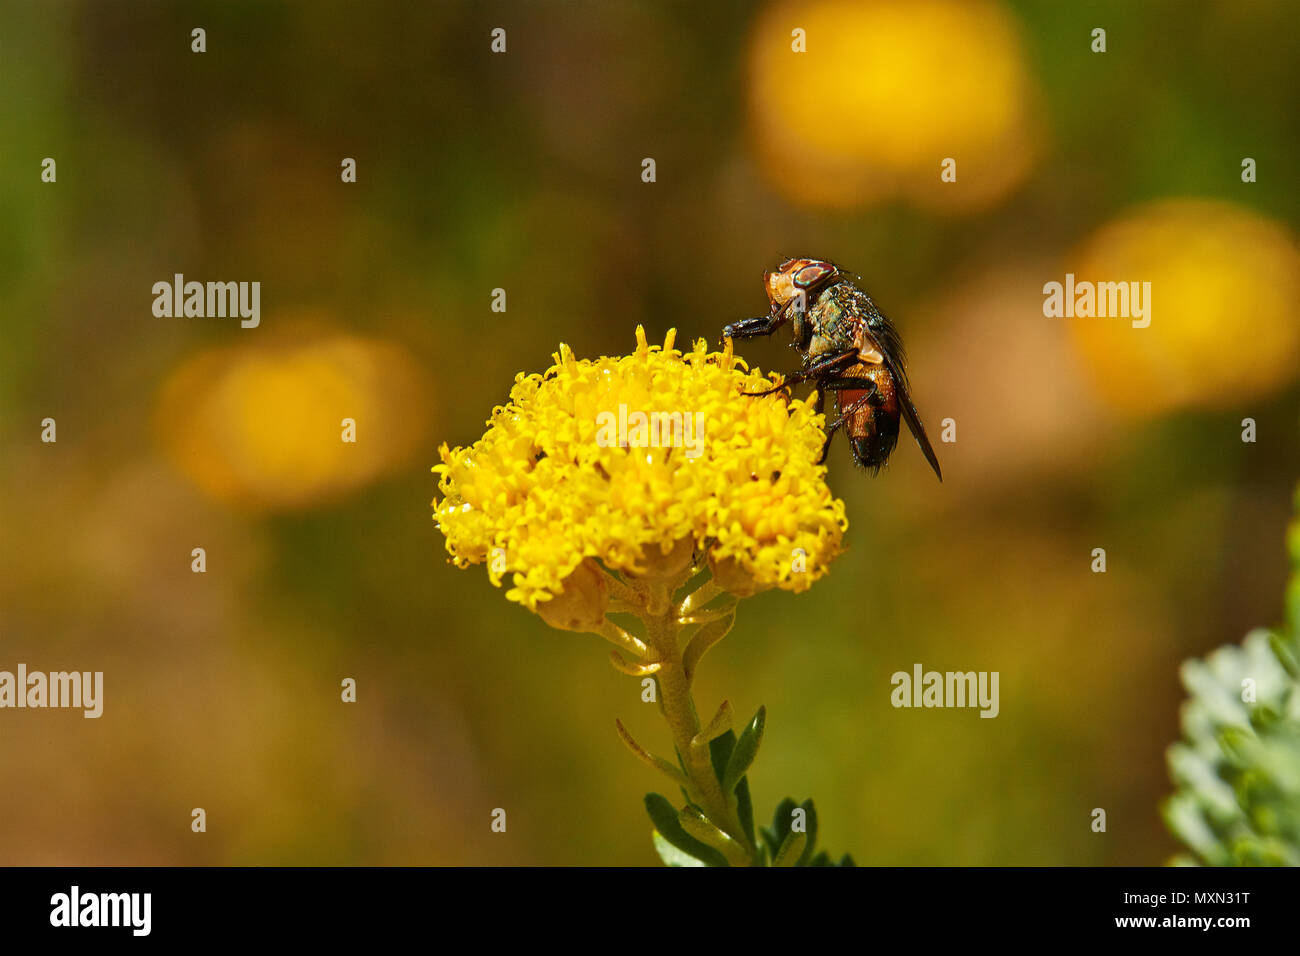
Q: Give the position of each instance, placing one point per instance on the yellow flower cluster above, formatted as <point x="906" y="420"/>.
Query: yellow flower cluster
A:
<point x="553" y="484"/>
<point x="857" y="102"/>
<point x="261" y="425"/>
<point x="1224" y="282"/>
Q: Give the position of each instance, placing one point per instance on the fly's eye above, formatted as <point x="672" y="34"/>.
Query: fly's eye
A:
<point x="810" y="275"/>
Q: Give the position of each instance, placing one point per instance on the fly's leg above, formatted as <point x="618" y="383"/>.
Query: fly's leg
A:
<point x="851" y="383"/>
<point x="825" y="366"/>
<point x="763" y="324"/>
<point x="845" y="384"/>
<point x="753" y="328"/>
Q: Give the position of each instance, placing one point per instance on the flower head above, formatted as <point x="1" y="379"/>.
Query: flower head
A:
<point x="1222" y="281"/>
<point x="881" y="91"/>
<point x="641" y="462"/>
<point x="264" y="426"/>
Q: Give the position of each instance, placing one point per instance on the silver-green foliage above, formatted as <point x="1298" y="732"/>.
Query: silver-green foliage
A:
<point x="1237" y="770"/>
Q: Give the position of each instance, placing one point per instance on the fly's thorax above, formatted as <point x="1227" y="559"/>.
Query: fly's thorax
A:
<point x="818" y="346"/>
<point x="830" y="326"/>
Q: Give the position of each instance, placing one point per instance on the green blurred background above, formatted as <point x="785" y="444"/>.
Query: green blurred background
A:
<point x="522" y="171"/>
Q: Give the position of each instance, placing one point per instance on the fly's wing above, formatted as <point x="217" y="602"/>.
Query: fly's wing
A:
<point x="879" y="333"/>
<point x="918" y="430"/>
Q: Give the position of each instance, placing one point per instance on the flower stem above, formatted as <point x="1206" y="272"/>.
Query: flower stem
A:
<point x="678" y="706"/>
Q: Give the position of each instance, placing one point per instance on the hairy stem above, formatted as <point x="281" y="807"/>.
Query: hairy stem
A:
<point x="678" y="706"/>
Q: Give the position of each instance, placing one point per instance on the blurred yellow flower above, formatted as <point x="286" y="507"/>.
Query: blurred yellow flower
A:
<point x="565" y="474"/>
<point x="1225" y="282"/>
<point x="887" y="90"/>
<point x="262" y="425"/>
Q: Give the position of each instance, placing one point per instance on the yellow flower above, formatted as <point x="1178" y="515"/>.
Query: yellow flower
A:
<point x="587" y="462"/>
<point x="854" y="102"/>
<point x="1223" y="287"/>
<point x="262" y="425"/>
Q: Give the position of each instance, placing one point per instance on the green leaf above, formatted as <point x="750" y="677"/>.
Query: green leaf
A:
<point x="847" y="860"/>
<point x="777" y="835"/>
<point x="658" y="763"/>
<point x="1285" y="650"/>
<point x="745" y="808"/>
<point x="781" y="819"/>
<point x="704" y="639"/>
<point x="697" y="825"/>
<point x="1235" y="743"/>
<point x="1263" y="718"/>
<point x="792" y="849"/>
<point x="720" y="723"/>
<point x="811" y="826"/>
<point x="670" y="854"/>
<point x="665" y="818"/>
<point x="744" y="751"/>
<point x="720" y="748"/>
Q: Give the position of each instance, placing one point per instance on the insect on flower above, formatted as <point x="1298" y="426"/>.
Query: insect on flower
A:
<point x="849" y="348"/>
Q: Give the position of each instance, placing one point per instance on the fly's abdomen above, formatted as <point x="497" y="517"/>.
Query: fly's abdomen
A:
<point x="872" y="426"/>
<point x="873" y="449"/>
